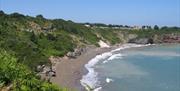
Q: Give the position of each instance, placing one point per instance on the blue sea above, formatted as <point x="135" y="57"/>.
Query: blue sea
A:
<point x="135" y="68"/>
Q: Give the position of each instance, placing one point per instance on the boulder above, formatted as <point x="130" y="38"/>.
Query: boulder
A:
<point x="77" y="52"/>
<point x="51" y="73"/>
<point x="40" y="68"/>
<point x="142" y="41"/>
<point x="71" y="55"/>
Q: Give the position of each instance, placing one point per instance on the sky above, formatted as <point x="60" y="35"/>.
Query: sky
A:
<point x="122" y="12"/>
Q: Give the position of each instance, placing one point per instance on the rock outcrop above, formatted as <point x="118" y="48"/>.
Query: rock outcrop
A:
<point x="102" y="44"/>
<point x="77" y="52"/>
<point x="142" y="41"/>
<point x="171" y="38"/>
<point x="165" y="38"/>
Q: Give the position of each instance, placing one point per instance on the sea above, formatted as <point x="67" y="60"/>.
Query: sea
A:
<point x="135" y="67"/>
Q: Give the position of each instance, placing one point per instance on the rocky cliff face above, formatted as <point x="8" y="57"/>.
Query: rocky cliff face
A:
<point x="171" y="38"/>
<point x="142" y="41"/>
<point x="167" y="38"/>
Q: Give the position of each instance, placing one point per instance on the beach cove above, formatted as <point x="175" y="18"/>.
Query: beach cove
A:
<point x="137" y="68"/>
<point x="69" y="72"/>
<point x="75" y="73"/>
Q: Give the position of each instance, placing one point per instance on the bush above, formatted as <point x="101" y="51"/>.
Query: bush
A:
<point x="19" y="78"/>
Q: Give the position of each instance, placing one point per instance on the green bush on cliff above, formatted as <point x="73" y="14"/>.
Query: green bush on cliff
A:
<point x="18" y="77"/>
<point x="108" y="35"/>
<point x="151" y="33"/>
<point x="34" y="39"/>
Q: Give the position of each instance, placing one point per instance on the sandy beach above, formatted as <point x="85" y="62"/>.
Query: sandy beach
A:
<point x="70" y="71"/>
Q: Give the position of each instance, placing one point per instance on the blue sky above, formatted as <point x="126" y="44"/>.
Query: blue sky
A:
<point x="125" y="12"/>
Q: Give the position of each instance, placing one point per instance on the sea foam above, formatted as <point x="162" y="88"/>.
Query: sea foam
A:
<point x="114" y="56"/>
<point x="90" y="80"/>
<point x="108" y="80"/>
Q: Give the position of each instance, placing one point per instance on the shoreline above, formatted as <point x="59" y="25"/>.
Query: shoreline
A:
<point x="89" y="81"/>
<point x="69" y="72"/>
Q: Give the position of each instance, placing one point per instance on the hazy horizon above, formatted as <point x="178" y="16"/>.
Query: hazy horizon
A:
<point x="121" y="12"/>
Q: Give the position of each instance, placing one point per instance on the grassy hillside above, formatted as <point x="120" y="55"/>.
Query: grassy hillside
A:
<point x="32" y="40"/>
<point x="15" y="76"/>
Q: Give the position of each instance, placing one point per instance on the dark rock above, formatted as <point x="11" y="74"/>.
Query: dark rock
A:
<point x="71" y="55"/>
<point x="171" y="38"/>
<point x="40" y="68"/>
<point x="51" y="73"/>
<point x="150" y="41"/>
<point x="142" y="41"/>
<point x="77" y="52"/>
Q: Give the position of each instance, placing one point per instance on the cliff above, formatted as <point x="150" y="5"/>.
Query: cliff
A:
<point x="34" y="39"/>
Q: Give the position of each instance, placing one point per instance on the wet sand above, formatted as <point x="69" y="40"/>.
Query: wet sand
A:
<point x="69" y="72"/>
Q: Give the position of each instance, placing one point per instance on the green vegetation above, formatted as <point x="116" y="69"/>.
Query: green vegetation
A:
<point x="151" y="33"/>
<point x="32" y="40"/>
<point x="17" y="77"/>
<point x="108" y="35"/>
<point x="156" y="27"/>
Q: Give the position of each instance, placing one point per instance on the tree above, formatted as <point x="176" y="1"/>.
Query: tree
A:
<point x="164" y="28"/>
<point x="34" y="38"/>
<point x="149" y="27"/>
<point x="40" y="16"/>
<point x="156" y="27"/>
<point x="1" y="12"/>
<point x="143" y="27"/>
<point x="18" y="77"/>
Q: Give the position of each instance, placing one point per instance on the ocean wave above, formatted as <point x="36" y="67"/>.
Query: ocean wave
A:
<point x="108" y="80"/>
<point x="114" y="56"/>
<point x="125" y="46"/>
<point x="90" y="80"/>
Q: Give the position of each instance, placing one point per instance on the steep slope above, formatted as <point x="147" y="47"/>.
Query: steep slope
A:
<point x="35" y="39"/>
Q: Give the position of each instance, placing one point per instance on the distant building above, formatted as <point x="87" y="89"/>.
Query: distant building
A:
<point x="86" y="25"/>
<point x="136" y="27"/>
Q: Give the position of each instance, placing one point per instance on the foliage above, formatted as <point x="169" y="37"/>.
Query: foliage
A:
<point x="32" y="48"/>
<point x="156" y="27"/>
<point x="109" y="35"/>
<point x="18" y="77"/>
<point x="34" y="39"/>
<point x="151" y="33"/>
